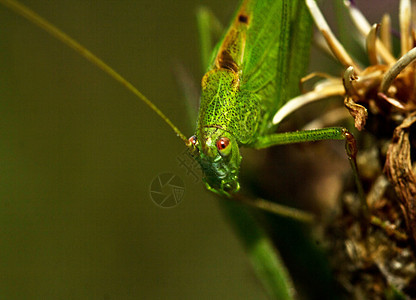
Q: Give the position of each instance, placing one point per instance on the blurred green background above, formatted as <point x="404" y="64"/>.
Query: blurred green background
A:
<point x="78" y="153"/>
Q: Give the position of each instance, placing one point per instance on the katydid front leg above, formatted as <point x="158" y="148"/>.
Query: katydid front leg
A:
<point x="332" y="133"/>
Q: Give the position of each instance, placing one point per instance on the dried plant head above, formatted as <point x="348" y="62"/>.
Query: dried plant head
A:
<point x="381" y="99"/>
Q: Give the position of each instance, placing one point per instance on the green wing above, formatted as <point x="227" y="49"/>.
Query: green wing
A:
<point x="265" y="39"/>
<point x="265" y="62"/>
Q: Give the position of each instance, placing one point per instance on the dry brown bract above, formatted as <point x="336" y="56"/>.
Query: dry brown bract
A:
<point x="398" y="168"/>
<point x="377" y="253"/>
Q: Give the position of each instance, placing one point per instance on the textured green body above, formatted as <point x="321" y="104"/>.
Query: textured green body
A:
<point x="224" y="105"/>
<point x="253" y="71"/>
<point x="239" y="91"/>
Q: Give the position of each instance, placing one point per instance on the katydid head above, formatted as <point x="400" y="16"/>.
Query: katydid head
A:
<point x="217" y="152"/>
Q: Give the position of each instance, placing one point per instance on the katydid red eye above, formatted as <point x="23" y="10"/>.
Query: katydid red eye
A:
<point x="193" y="140"/>
<point x="223" y="145"/>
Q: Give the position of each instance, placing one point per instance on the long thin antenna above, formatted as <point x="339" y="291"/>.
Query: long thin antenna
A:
<point x="33" y="17"/>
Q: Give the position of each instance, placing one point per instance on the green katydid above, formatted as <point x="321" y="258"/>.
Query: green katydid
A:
<point x="239" y="96"/>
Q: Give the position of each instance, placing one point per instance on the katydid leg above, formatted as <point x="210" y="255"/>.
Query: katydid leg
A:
<point x="332" y="133"/>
